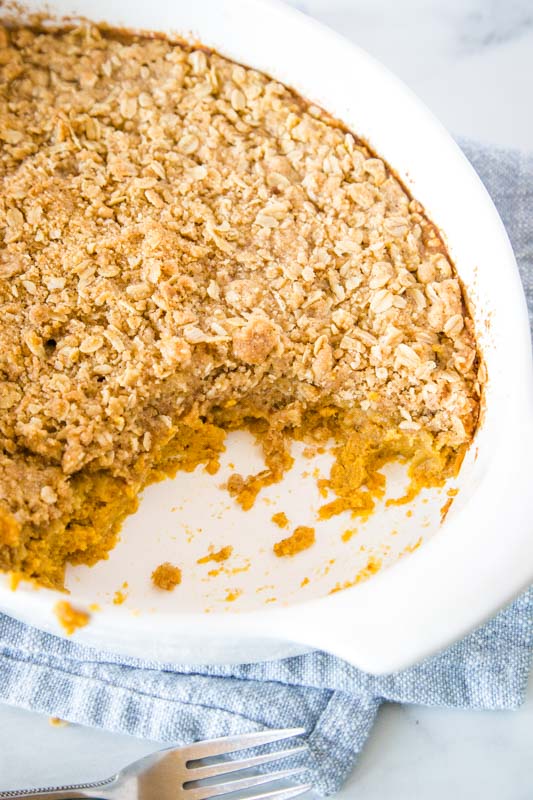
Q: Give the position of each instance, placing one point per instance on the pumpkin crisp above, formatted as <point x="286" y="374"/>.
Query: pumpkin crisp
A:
<point x="188" y="247"/>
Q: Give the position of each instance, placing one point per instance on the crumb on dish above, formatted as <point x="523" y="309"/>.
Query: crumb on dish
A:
<point x="372" y="567"/>
<point x="348" y="534"/>
<point x="166" y="576"/>
<point x="220" y="555"/>
<point x="120" y="595"/>
<point x="280" y="519"/>
<point x="411" y="548"/>
<point x="301" y="538"/>
<point x="70" y="619"/>
<point x="232" y="595"/>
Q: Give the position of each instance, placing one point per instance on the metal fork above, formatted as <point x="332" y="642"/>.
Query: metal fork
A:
<point x="174" y="774"/>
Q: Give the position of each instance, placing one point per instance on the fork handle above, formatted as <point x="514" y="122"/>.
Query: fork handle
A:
<point x="91" y="791"/>
<point x="44" y="794"/>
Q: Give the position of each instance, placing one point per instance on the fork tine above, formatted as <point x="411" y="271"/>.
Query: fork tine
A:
<point x="218" y="747"/>
<point x="223" y="767"/>
<point x="205" y="792"/>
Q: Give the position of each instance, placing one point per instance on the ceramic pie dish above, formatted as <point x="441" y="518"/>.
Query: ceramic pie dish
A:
<point x="257" y="607"/>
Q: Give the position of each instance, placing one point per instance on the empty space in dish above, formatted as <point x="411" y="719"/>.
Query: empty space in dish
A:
<point x="185" y="519"/>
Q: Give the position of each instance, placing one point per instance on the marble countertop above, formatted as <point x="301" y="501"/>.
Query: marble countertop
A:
<point x="471" y="61"/>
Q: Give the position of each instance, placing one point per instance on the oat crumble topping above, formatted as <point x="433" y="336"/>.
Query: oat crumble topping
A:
<point x="188" y="246"/>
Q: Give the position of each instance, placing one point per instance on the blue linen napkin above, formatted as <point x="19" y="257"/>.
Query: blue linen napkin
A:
<point x="335" y="702"/>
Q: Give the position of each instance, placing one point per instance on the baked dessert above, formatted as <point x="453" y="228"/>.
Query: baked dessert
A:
<point x="189" y="247"/>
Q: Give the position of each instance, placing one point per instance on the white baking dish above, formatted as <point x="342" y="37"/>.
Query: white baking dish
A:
<point x="474" y="563"/>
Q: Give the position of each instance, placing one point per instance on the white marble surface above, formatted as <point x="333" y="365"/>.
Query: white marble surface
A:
<point x="471" y="61"/>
